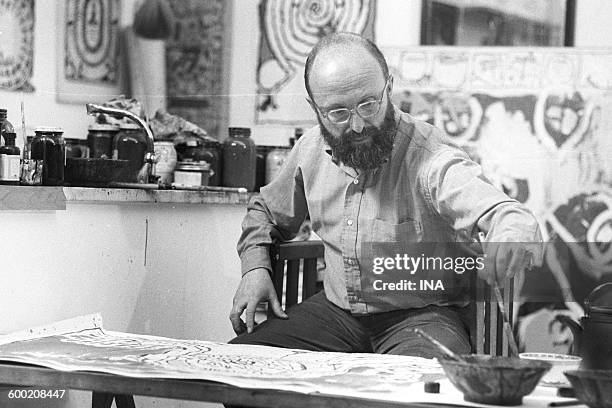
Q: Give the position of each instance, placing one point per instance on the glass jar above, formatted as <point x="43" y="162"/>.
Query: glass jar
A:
<point x="49" y="146"/>
<point x="239" y="159"/>
<point x="211" y="153"/>
<point x="100" y="138"/>
<point x="275" y="161"/>
<point x="166" y="161"/>
<point x="76" y="148"/>
<point x="130" y="144"/>
<point x="260" y="165"/>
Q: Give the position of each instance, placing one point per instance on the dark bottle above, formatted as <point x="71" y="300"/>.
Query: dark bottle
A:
<point x="5" y="125"/>
<point x="9" y="144"/>
<point x="76" y="148"/>
<point x="131" y="144"/>
<point x="239" y="159"/>
<point x="9" y="160"/>
<point x="49" y="146"/>
<point x="100" y="139"/>
<point x="211" y="153"/>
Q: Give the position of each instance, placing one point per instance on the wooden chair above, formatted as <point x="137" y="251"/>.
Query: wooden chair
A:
<point x="294" y="266"/>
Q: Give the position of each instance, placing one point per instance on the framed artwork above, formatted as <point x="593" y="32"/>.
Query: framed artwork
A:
<point x="89" y="63"/>
<point x="289" y="30"/>
<point x="17" y="45"/>
<point x="546" y="23"/>
<point x="197" y="62"/>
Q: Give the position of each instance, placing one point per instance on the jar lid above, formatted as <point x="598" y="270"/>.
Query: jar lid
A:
<point x="192" y="166"/>
<point x="103" y="127"/>
<point x="75" y="140"/>
<point x="239" y="131"/>
<point x="48" y="129"/>
<point x="130" y="126"/>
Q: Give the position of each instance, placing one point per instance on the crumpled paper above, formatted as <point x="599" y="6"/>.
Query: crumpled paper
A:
<point x="166" y="126"/>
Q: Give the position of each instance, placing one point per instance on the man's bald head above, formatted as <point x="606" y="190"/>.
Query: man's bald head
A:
<point x="343" y="45"/>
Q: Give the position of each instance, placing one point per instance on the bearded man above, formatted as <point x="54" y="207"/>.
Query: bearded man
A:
<point x="368" y="175"/>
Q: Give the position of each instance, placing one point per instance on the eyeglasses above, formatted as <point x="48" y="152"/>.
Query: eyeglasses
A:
<point x="364" y="110"/>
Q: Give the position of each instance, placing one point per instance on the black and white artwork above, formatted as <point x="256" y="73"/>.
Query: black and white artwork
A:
<point x="289" y="30"/>
<point x="17" y="45"/>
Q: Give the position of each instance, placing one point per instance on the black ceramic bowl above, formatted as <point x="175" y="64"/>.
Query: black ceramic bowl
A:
<point x="494" y="380"/>
<point x="592" y="387"/>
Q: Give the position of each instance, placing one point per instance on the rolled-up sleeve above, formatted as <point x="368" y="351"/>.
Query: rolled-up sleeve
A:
<point x="275" y="215"/>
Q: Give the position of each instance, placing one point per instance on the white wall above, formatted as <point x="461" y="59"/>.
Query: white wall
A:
<point x="91" y="258"/>
<point x="593" y="28"/>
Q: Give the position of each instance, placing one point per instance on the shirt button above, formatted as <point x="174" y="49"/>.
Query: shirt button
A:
<point x="356" y="181"/>
<point x="349" y="222"/>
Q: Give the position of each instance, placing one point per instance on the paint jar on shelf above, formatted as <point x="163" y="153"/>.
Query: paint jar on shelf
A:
<point x="49" y="146"/>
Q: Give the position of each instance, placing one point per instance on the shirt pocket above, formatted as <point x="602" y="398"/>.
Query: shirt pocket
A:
<point x="407" y="231"/>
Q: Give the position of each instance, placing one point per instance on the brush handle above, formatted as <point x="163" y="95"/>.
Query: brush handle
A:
<point x="441" y="347"/>
<point x="514" y="352"/>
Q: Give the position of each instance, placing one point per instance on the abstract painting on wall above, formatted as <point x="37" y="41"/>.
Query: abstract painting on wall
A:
<point x="289" y="30"/>
<point x="89" y="61"/>
<point x="17" y="45"/>
<point x="197" y="63"/>
<point x="538" y="123"/>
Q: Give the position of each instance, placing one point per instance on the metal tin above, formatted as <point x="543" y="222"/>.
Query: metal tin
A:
<point x="192" y="173"/>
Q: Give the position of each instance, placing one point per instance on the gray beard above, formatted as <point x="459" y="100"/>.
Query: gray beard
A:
<point x="365" y="156"/>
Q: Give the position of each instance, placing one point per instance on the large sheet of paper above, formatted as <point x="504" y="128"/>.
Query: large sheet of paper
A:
<point x="91" y="348"/>
<point x="82" y="344"/>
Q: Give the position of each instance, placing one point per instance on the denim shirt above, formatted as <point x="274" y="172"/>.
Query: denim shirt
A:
<point x="427" y="191"/>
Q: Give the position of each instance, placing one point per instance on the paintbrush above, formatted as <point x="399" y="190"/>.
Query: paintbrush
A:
<point x="514" y="352"/>
<point x="23" y="128"/>
<point x="507" y="328"/>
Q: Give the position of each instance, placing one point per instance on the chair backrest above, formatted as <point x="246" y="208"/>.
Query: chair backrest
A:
<point x="294" y="267"/>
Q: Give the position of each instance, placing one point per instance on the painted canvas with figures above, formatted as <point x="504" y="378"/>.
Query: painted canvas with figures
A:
<point x="536" y="120"/>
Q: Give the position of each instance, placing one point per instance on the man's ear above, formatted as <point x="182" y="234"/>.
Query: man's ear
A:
<point x="390" y="89"/>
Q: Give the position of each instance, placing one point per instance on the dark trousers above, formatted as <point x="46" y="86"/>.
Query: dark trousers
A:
<point x="318" y="325"/>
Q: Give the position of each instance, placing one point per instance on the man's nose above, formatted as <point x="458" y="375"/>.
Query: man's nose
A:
<point x="357" y="123"/>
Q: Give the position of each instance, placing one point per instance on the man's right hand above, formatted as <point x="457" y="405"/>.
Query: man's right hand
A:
<point x="255" y="287"/>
